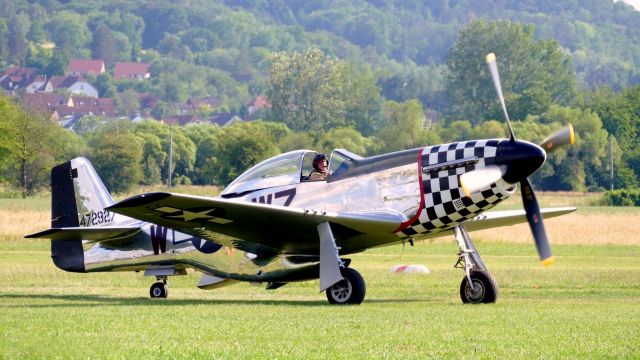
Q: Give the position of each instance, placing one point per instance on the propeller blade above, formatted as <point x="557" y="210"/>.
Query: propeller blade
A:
<point x="535" y="222"/>
<point x="479" y="179"/>
<point x="493" y="68"/>
<point x="564" y="136"/>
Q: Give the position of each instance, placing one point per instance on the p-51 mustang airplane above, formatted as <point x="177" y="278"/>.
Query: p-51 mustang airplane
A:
<point x="271" y="226"/>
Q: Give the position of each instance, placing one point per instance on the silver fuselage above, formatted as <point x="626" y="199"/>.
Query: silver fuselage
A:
<point x="422" y="185"/>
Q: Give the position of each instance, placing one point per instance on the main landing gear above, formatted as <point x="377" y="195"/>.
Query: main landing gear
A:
<point x="159" y="289"/>
<point x="478" y="286"/>
<point x="350" y="290"/>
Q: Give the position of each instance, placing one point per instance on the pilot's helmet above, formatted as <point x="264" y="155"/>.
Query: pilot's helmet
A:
<point x="316" y="160"/>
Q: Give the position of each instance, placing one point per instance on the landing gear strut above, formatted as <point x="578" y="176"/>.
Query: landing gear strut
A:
<point x="159" y="289"/>
<point x="478" y="286"/>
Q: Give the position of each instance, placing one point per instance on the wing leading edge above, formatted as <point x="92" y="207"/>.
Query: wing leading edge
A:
<point x="494" y="219"/>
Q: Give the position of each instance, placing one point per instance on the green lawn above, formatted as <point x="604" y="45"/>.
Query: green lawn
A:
<point x="586" y="305"/>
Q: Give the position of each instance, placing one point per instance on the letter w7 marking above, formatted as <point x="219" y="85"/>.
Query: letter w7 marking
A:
<point x="289" y="194"/>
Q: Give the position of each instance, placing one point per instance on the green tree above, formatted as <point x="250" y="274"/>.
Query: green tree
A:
<point x="117" y="157"/>
<point x="86" y="125"/>
<point x="104" y="45"/>
<point x="577" y="167"/>
<point x="239" y="147"/>
<point x="184" y="149"/>
<point x="58" y="63"/>
<point x="295" y="141"/>
<point x="205" y="136"/>
<point x="345" y="138"/>
<point x="18" y="28"/>
<point x="38" y="57"/>
<point x="127" y="102"/>
<point x="172" y="88"/>
<point x="405" y="128"/>
<point x="363" y="103"/>
<point x="105" y="85"/>
<point x="154" y="157"/>
<point x="31" y="146"/>
<point x="4" y="43"/>
<point x="620" y="114"/>
<point x="70" y="33"/>
<point x="534" y="74"/>
<point x="162" y="110"/>
<point x="307" y="90"/>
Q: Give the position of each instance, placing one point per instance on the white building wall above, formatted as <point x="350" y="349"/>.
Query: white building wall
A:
<point x="83" y="88"/>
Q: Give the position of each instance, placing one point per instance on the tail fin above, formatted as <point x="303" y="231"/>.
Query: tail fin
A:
<point x="76" y="182"/>
<point x="78" y="198"/>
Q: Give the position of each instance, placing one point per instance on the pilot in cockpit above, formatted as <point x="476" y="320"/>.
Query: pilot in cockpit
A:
<point x="320" y="170"/>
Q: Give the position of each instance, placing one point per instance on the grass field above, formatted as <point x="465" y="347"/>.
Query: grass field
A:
<point x="586" y="305"/>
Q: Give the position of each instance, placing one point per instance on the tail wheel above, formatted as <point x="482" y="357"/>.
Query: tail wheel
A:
<point x="350" y="290"/>
<point x="484" y="290"/>
<point x="159" y="290"/>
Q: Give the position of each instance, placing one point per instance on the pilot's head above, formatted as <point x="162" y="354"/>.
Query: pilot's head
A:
<point x="320" y="162"/>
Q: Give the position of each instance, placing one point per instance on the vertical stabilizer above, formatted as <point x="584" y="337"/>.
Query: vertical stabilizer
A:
<point x="78" y="198"/>
<point x="91" y="196"/>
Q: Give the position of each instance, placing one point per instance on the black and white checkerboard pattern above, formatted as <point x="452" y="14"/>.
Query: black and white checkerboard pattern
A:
<point x="446" y="205"/>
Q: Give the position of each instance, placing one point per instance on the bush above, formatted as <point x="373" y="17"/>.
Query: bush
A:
<point x="625" y="197"/>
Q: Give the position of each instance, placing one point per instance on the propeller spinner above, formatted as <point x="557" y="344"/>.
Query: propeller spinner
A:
<point x="515" y="161"/>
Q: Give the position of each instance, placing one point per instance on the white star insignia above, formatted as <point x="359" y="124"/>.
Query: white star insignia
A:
<point x="192" y="215"/>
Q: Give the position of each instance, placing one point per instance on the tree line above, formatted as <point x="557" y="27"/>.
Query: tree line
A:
<point x="126" y="154"/>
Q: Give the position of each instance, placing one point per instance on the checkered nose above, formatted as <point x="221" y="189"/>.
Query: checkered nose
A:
<point x="521" y="159"/>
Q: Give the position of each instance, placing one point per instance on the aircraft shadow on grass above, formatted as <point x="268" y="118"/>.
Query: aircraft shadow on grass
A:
<point x="77" y="300"/>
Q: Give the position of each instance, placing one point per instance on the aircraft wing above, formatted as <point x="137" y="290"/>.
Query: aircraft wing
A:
<point x="493" y="219"/>
<point x="258" y="228"/>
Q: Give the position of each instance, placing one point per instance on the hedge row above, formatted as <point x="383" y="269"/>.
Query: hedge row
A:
<point x="626" y="197"/>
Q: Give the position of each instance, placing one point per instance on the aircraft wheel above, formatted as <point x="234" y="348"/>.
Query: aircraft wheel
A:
<point x="159" y="290"/>
<point x="485" y="289"/>
<point x="350" y="290"/>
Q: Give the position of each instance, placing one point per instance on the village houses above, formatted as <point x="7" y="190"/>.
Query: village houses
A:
<point x="67" y="98"/>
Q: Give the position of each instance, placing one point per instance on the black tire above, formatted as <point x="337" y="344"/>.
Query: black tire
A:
<point x="350" y="290"/>
<point x="159" y="290"/>
<point x="486" y="289"/>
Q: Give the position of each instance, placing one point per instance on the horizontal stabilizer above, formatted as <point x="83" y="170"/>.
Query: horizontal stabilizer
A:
<point x="91" y="234"/>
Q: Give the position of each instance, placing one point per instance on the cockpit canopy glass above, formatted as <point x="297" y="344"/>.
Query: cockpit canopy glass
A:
<point x="280" y="170"/>
<point x="287" y="169"/>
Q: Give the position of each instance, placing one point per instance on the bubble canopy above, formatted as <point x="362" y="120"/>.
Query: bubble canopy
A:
<point x="280" y="170"/>
<point x="286" y="169"/>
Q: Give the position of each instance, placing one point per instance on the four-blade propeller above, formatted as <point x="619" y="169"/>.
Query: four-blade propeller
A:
<point x="515" y="161"/>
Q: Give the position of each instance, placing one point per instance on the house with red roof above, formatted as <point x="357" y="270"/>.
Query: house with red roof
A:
<point x="63" y="108"/>
<point x="45" y="103"/>
<point x="81" y="67"/>
<point x="75" y="84"/>
<point x="207" y="101"/>
<point x="17" y="78"/>
<point x="130" y="70"/>
<point x="255" y="106"/>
